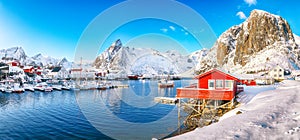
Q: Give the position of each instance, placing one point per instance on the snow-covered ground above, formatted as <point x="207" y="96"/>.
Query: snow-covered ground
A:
<point x="268" y="112"/>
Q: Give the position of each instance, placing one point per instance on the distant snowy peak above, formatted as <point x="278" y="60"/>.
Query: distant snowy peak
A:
<point x="42" y="60"/>
<point x="144" y="60"/>
<point x="13" y="53"/>
<point x="259" y="43"/>
<point x="17" y="53"/>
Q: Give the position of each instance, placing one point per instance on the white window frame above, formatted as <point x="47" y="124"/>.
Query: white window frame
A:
<point x="222" y="83"/>
<point x="214" y="83"/>
<point x="228" y="87"/>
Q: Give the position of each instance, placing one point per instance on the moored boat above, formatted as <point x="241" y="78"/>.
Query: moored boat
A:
<point x="133" y="77"/>
<point x="165" y="83"/>
<point x="57" y="87"/>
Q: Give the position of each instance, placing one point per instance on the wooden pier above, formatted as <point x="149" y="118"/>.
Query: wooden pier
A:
<point x="166" y="100"/>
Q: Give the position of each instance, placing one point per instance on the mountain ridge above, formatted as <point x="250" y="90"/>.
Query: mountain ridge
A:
<point x="258" y="44"/>
<point x="18" y="53"/>
<point x="144" y="60"/>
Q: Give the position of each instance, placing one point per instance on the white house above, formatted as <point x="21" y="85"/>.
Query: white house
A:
<point x="277" y="73"/>
<point x="58" y="72"/>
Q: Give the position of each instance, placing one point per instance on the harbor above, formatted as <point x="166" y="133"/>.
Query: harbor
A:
<point x="62" y="110"/>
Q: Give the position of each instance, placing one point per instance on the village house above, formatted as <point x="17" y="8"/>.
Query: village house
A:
<point x="58" y="73"/>
<point x="247" y="79"/>
<point x="4" y="69"/>
<point x="28" y="69"/>
<point x="13" y="63"/>
<point x="76" y="73"/>
<point x="277" y="73"/>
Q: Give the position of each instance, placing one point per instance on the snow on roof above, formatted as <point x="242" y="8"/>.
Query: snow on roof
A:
<point x="272" y="113"/>
<point x="216" y="69"/>
<point x="15" y="69"/>
<point x="28" y="67"/>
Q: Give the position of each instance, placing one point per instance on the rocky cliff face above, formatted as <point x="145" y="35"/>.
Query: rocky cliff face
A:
<point x="257" y="44"/>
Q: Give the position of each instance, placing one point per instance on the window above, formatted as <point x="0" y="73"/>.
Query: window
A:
<point x="275" y="70"/>
<point x="280" y="75"/>
<point x="275" y="75"/>
<point x="211" y="84"/>
<point x="219" y="84"/>
<point x="280" y="70"/>
<point x="229" y="84"/>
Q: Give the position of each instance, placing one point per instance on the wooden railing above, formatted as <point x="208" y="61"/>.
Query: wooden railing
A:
<point x="198" y="93"/>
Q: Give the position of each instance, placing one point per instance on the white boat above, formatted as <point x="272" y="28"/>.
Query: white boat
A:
<point x="8" y="89"/>
<point x="165" y="83"/>
<point x="28" y="87"/>
<point x="39" y="87"/>
<point x="43" y="87"/>
<point x="57" y="87"/>
<point x="17" y="88"/>
<point x="2" y="88"/>
<point x="65" y="87"/>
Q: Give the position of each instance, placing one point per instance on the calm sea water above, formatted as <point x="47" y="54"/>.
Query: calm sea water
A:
<point x="121" y="113"/>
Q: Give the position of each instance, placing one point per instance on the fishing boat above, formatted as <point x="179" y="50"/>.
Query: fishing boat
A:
<point x="133" y="77"/>
<point x="2" y="88"/>
<point x="43" y="87"/>
<point x="66" y="87"/>
<point x="57" y="87"/>
<point x="18" y="90"/>
<point x="8" y="89"/>
<point x="101" y="87"/>
<point x="163" y="83"/>
<point x="28" y="87"/>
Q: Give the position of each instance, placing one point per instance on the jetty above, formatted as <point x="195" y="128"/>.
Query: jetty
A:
<point x="166" y="100"/>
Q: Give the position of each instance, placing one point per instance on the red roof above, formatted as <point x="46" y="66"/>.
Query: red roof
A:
<point x="216" y="70"/>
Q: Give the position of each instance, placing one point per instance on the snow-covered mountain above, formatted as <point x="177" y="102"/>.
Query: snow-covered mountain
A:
<point x="145" y="60"/>
<point x="17" y="53"/>
<point x="13" y="53"/>
<point x="297" y="39"/>
<point x="261" y="42"/>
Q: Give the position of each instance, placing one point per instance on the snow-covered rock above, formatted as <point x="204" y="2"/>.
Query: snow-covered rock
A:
<point x="17" y="53"/>
<point x="146" y="60"/>
<point x="297" y="39"/>
<point x="14" y="53"/>
<point x="261" y="42"/>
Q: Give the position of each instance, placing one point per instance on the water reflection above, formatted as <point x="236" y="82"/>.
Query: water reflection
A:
<point x="123" y="113"/>
<point x="38" y="115"/>
<point x="131" y="113"/>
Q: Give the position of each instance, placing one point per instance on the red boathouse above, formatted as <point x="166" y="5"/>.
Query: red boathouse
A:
<point x="213" y="84"/>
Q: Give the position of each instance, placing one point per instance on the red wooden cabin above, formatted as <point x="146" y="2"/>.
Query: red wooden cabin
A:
<point x="214" y="84"/>
<point x="28" y="69"/>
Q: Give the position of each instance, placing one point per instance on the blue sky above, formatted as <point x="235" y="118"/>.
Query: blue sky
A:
<point x="53" y="27"/>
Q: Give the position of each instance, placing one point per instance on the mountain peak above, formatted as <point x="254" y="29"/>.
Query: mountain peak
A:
<point x="262" y="36"/>
<point x="118" y="42"/>
<point x="14" y="53"/>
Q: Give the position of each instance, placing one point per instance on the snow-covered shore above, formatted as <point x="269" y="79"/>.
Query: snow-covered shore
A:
<point x="271" y="112"/>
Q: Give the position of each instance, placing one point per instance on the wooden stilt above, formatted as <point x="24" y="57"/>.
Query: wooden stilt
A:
<point x="179" y="103"/>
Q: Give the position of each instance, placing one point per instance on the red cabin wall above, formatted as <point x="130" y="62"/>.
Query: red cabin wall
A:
<point x="203" y="81"/>
<point x="246" y="82"/>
